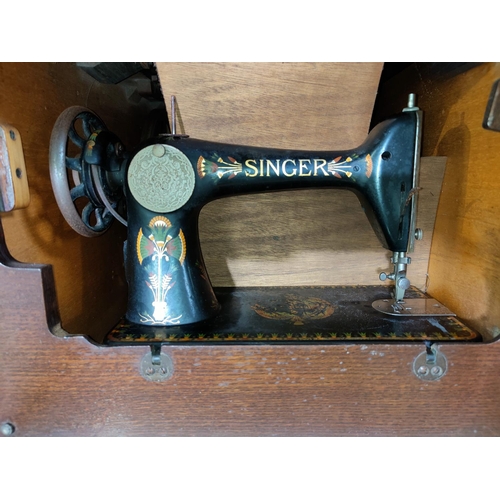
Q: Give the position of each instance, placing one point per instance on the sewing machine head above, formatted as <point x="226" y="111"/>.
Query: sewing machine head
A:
<point x="166" y="182"/>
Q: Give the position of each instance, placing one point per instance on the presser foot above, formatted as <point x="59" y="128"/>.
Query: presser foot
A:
<point x="401" y="282"/>
<point x="412" y="307"/>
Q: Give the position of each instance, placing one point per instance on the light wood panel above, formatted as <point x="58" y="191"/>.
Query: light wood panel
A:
<point x="14" y="189"/>
<point x="464" y="265"/>
<point x="89" y="278"/>
<point x="280" y="105"/>
<point x="301" y="238"/>
<point x="319" y="237"/>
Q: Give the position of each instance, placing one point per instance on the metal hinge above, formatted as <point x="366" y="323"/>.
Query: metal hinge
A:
<point x="156" y="366"/>
<point x="431" y="364"/>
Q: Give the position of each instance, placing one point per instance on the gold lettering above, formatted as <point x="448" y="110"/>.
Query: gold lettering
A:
<point x="275" y="168"/>
<point x="317" y="166"/>
<point x="302" y="165"/>
<point x="283" y="167"/>
<point x="261" y="168"/>
<point x="253" y="167"/>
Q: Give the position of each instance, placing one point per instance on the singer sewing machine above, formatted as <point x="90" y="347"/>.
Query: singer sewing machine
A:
<point x="294" y="345"/>
<point x="158" y="191"/>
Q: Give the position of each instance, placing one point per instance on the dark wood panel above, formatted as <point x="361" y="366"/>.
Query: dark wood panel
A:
<point x="66" y="386"/>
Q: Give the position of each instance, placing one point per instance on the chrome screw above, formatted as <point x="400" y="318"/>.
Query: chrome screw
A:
<point x="423" y="370"/>
<point x="7" y="429"/>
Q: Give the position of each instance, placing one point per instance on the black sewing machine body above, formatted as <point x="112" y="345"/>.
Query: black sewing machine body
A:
<point x="168" y="280"/>
<point x="168" y="180"/>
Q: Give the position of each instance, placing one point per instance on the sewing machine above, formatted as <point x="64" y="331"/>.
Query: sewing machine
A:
<point x="333" y="373"/>
<point x="164" y="184"/>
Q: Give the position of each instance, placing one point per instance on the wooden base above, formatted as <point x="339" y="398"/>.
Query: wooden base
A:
<point x="62" y="386"/>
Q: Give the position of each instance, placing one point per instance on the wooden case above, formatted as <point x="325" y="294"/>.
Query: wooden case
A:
<point x="52" y="281"/>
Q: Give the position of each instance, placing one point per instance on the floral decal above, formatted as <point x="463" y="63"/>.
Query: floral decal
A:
<point x="337" y="167"/>
<point x="161" y="249"/>
<point x="230" y="168"/>
<point x="297" y="309"/>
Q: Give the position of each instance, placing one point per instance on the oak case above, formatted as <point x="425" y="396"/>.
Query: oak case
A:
<point x="57" y="385"/>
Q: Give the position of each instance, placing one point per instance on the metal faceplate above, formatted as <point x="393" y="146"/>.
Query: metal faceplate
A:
<point x="412" y="307"/>
<point x="161" y="178"/>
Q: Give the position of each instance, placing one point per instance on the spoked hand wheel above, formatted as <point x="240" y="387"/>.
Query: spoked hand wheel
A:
<point x="89" y="197"/>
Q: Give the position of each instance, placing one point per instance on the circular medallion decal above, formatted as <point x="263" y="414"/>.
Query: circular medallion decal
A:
<point x="161" y="178"/>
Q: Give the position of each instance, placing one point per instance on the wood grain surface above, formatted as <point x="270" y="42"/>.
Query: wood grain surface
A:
<point x="87" y="272"/>
<point x="65" y="386"/>
<point x="315" y="106"/>
<point x="317" y="237"/>
<point x="464" y="266"/>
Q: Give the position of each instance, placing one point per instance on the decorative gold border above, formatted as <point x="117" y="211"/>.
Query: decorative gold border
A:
<point x="125" y="333"/>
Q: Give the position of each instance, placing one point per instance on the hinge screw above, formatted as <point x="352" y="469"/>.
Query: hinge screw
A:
<point x="423" y="370"/>
<point x="436" y="371"/>
<point x="7" y="429"/>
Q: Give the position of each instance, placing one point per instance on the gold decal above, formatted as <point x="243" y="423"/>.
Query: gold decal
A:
<point x="275" y="168"/>
<point x="321" y="166"/>
<point x="302" y="165"/>
<point x="253" y="167"/>
<point x="297" y="310"/>
<point x="294" y="171"/>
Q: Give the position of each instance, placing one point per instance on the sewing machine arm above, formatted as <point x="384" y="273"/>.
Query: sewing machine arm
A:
<point x="167" y="181"/>
<point x="170" y="179"/>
